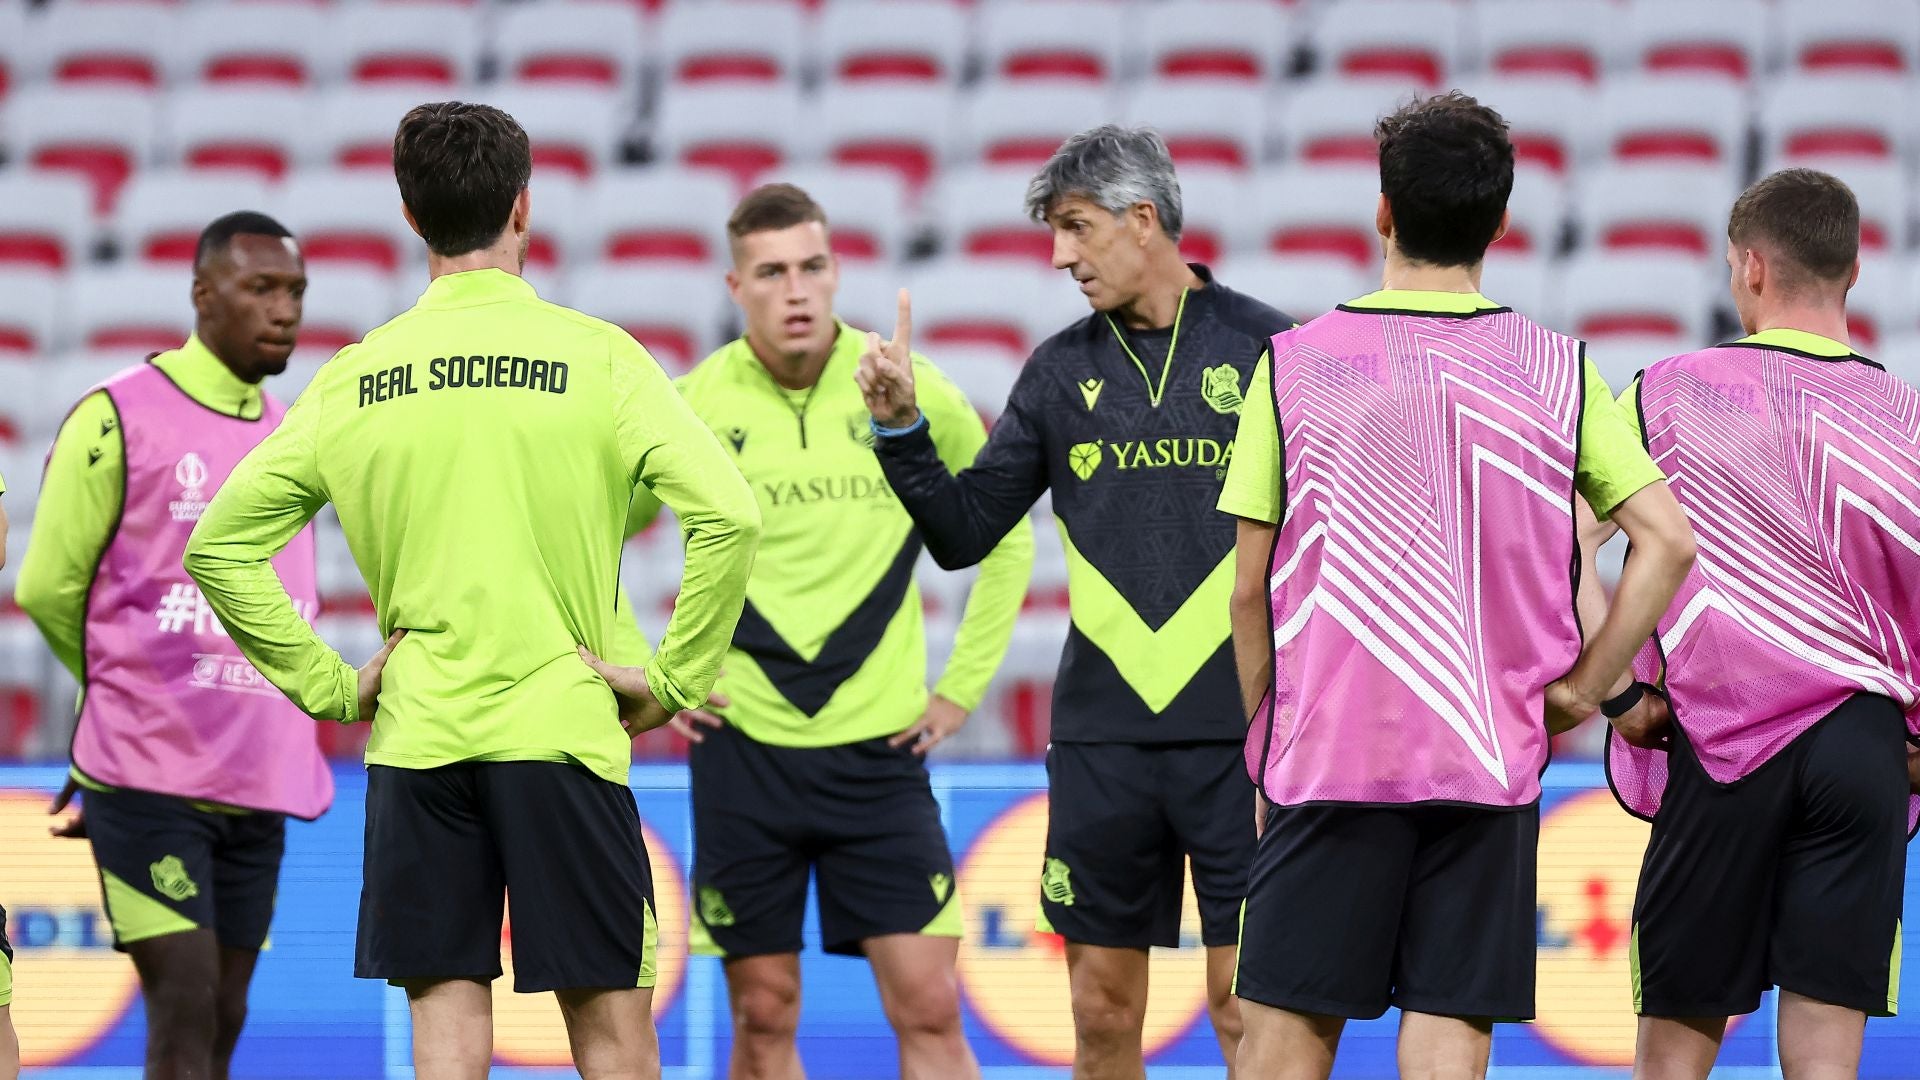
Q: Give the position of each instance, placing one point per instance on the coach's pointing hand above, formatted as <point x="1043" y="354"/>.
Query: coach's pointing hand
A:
<point x="640" y="711"/>
<point x="886" y="372"/>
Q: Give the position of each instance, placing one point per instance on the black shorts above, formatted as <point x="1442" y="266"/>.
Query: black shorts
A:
<point x="1426" y="908"/>
<point x="1791" y="877"/>
<point x="1123" y="822"/>
<point x="860" y="816"/>
<point x="168" y="865"/>
<point x="446" y="846"/>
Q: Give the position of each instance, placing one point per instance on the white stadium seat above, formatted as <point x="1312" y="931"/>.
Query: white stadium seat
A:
<point x="133" y="310"/>
<point x="162" y="212"/>
<point x="883" y="41"/>
<point x="1052" y="41"/>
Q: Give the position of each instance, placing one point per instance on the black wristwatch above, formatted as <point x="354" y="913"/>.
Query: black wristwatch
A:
<point x="1622" y="703"/>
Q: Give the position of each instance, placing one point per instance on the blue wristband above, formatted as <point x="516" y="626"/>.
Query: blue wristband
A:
<point x="894" y="433"/>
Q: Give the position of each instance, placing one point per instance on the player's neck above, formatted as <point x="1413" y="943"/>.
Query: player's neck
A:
<point x="792" y="371"/>
<point x="1158" y="303"/>
<point x="1824" y="320"/>
<point x="1408" y="276"/>
<point x="503" y="255"/>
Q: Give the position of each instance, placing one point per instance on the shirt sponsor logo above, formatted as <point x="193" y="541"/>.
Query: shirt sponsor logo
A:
<point x="191" y="474"/>
<point x="1134" y="454"/>
<point x="856" y="488"/>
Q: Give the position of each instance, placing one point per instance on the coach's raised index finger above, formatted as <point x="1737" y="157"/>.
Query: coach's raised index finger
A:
<point x="903" y="328"/>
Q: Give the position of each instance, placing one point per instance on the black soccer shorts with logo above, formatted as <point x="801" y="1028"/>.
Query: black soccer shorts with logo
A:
<point x="169" y="865"/>
<point x="860" y="817"/>
<point x="1124" y="821"/>
<point x="1428" y="907"/>
<point x="451" y="849"/>
<point x="1791" y="877"/>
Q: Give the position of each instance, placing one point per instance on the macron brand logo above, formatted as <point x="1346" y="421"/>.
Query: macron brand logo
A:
<point x="191" y="474"/>
<point x="1090" y="390"/>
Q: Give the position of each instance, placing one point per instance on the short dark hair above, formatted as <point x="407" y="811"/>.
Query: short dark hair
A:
<point x="1811" y="218"/>
<point x="773" y="206"/>
<point x="460" y="167"/>
<point x="1446" y="168"/>
<point x="221" y="230"/>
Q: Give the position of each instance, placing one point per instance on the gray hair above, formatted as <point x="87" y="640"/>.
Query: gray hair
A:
<point x="1113" y="167"/>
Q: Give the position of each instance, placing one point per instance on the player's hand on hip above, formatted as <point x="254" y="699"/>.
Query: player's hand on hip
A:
<point x="371" y="674"/>
<point x="885" y="373"/>
<point x="640" y="711"/>
<point x="1913" y="768"/>
<point x="690" y="722"/>
<point x="941" y="719"/>
<point x="75" y="827"/>
<point x="1648" y="725"/>
<point x="1259" y="813"/>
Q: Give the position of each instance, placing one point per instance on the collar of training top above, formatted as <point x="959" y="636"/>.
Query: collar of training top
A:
<point x="1797" y="340"/>
<point x="474" y="287"/>
<point x="206" y="379"/>
<point x="1420" y="302"/>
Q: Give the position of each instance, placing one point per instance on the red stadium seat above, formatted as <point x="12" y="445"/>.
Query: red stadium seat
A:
<point x="252" y="44"/>
<point x="673" y="310"/>
<point x="1869" y="37"/>
<point x="348" y="217"/>
<point x="703" y="43"/>
<point x="1330" y="121"/>
<point x="1319" y="211"/>
<point x="741" y="132"/>
<point x="1836" y="117"/>
<point x="574" y="130"/>
<point x="46" y="221"/>
<point x="996" y="305"/>
<point x="1052" y="40"/>
<point x="981" y="213"/>
<point x="881" y="41"/>
<point x="1724" y="39"/>
<point x="1235" y="41"/>
<point x="1213" y="206"/>
<point x="1547" y="118"/>
<point x="343" y="303"/>
<point x="103" y="43"/>
<point x="656" y="215"/>
<point x="1657" y="209"/>
<point x="1021" y="125"/>
<point x="570" y="43"/>
<point x="1635" y="295"/>
<point x="867" y="210"/>
<point x="254" y="131"/>
<point x="1206" y="125"/>
<point x="97" y="134"/>
<point x="1401" y="40"/>
<point x="1567" y="39"/>
<point x="1696" y="121"/>
<point x="900" y="128"/>
<point x="1880" y="305"/>
<point x="162" y="212"/>
<point x="418" y="42"/>
<point x="29" y="301"/>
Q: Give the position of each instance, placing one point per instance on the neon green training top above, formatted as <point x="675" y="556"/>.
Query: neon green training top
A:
<point x="482" y="450"/>
<point x="1612" y="464"/>
<point x="831" y="648"/>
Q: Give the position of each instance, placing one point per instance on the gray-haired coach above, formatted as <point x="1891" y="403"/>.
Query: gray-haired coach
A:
<point x="1129" y="416"/>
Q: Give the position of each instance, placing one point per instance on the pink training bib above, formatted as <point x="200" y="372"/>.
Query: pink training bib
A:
<point x="170" y="704"/>
<point x="1802" y="477"/>
<point x="1421" y="582"/>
